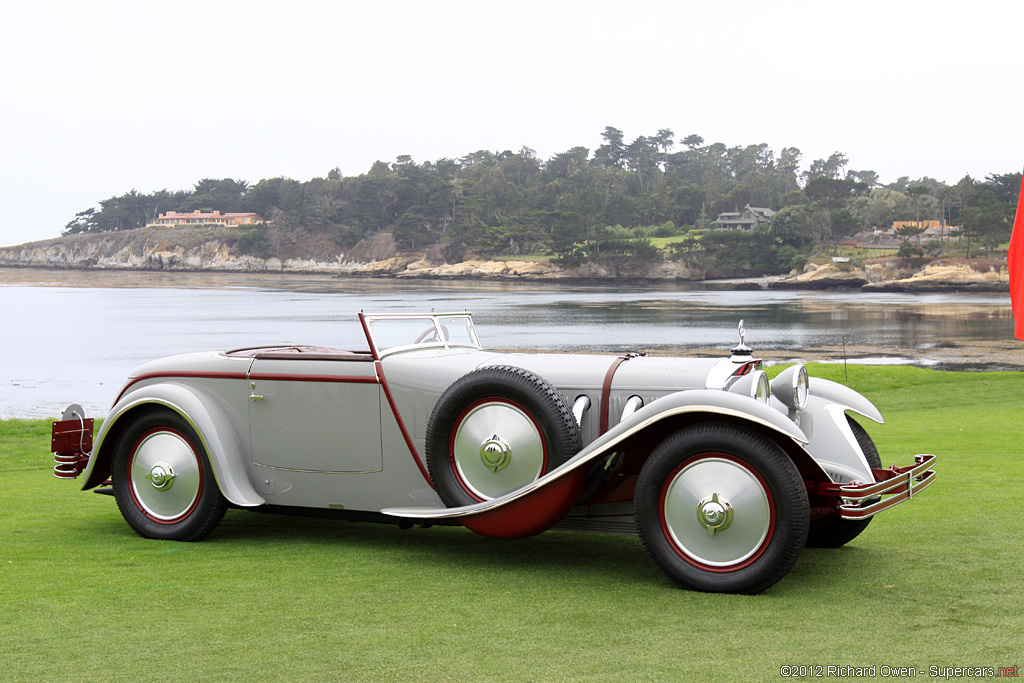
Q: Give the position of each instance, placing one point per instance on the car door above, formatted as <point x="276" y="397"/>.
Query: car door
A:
<point x="315" y="415"/>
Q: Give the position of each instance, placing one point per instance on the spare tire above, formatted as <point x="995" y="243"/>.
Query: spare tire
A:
<point x="495" y="430"/>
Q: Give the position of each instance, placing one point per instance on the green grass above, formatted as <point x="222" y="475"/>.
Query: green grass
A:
<point x="663" y="242"/>
<point x="935" y="581"/>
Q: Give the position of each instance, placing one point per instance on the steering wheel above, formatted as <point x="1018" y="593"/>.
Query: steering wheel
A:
<point x="425" y="334"/>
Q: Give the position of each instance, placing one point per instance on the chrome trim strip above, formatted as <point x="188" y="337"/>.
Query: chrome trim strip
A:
<point x="289" y="469"/>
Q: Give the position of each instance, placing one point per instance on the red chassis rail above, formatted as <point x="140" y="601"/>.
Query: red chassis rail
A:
<point x="891" y="487"/>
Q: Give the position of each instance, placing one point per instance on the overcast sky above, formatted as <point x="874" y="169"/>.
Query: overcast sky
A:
<point x="102" y="97"/>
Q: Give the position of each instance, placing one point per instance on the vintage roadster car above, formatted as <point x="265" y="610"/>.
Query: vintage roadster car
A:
<point x="724" y="475"/>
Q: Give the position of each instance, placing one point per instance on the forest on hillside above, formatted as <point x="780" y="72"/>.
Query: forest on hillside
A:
<point x="582" y="205"/>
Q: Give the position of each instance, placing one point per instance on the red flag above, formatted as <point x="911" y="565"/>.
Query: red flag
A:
<point x="1015" y="261"/>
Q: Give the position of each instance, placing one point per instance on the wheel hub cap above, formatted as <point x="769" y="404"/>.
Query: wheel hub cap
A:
<point x="161" y="476"/>
<point x="496" y="453"/>
<point x="714" y="513"/>
<point x="166" y="475"/>
<point x="482" y="448"/>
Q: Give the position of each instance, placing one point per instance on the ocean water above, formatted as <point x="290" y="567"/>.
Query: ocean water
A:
<point x="73" y="336"/>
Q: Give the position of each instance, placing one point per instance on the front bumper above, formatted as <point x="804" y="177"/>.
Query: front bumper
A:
<point x="891" y="487"/>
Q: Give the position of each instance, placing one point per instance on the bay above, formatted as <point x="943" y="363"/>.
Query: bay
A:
<point x="73" y="336"/>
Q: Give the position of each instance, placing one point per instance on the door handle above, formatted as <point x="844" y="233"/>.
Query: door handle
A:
<point x="252" y="392"/>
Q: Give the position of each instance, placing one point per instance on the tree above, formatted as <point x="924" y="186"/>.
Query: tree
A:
<point x="908" y="250"/>
<point x="665" y="143"/>
<point x="791" y="225"/>
<point x="84" y="221"/>
<point x="613" y="151"/>
<point x="693" y="141"/>
<point x="878" y="208"/>
<point x="831" y="168"/>
<point x="987" y="219"/>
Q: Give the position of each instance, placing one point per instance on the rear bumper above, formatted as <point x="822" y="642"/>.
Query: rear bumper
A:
<point x="891" y="487"/>
<point x="71" y="443"/>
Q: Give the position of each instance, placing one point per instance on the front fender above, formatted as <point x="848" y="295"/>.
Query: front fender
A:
<point x="847" y="397"/>
<point x="536" y="506"/>
<point x="832" y="442"/>
<point x="205" y="416"/>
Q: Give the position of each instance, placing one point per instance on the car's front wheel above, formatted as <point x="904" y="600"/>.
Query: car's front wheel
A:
<point x="163" y="481"/>
<point x="720" y="508"/>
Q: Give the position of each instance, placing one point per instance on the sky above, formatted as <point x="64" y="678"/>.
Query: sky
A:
<point x="102" y="97"/>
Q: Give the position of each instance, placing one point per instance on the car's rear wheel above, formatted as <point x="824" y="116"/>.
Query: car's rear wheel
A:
<point x="833" y="531"/>
<point x="720" y="508"/>
<point x="495" y="430"/>
<point x="163" y="481"/>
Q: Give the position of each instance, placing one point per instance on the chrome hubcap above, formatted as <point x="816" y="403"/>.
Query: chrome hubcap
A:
<point x="497" y="448"/>
<point x="165" y="474"/>
<point x="161" y="476"/>
<point x="495" y="453"/>
<point x="716" y="512"/>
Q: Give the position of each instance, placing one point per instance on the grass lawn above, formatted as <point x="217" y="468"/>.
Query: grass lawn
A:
<point x="934" y="582"/>
<point x="663" y="242"/>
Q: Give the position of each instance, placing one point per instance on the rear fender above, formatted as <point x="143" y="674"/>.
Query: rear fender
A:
<point x="206" y="417"/>
<point x="535" y="507"/>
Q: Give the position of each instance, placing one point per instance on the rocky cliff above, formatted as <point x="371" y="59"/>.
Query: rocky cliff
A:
<point x="897" y="275"/>
<point x="203" y="249"/>
<point x="185" y="249"/>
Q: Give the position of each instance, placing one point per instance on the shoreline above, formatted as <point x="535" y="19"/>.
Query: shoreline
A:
<point x="187" y="250"/>
<point x="738" y="284"/>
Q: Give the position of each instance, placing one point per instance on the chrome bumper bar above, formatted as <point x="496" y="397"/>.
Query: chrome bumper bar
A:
<point x="891" y="487"/>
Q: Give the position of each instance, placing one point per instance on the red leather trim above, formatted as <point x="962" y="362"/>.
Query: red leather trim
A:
<point x="300" y="353"/>
<point x="188" y="375"/>
<point x="401" y="423"/>
<point x="606" y="388"/>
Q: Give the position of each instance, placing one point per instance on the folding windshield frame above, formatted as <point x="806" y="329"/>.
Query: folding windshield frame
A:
<point x="442" y="337"/>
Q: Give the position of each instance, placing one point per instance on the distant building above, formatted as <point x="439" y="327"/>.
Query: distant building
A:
<point x="205" y="219"/>
<point x="930" y="230"/>
<point x="923" y="225"/>
<point x="750" y="218"/>
<point x="887" y="238"/>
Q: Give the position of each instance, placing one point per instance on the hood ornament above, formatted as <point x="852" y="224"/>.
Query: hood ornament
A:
<point x="742" y="352"/>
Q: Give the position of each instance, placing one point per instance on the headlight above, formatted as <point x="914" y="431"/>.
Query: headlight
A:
<point x="792" y="387"/>
<point x="755" y="385"/>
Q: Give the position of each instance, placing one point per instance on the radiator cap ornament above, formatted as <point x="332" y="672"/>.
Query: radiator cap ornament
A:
<point x="742" y="352"/>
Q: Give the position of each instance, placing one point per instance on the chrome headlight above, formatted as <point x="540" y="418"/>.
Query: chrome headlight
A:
<point x="792" y="387"/>
<point x="755" y="385"/>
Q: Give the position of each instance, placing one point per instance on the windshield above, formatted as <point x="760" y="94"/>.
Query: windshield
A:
<point x="389" y="333"/>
